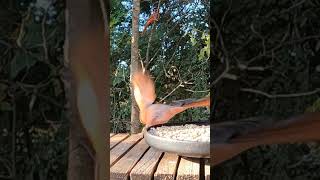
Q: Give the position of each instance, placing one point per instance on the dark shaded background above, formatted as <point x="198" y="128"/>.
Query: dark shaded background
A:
<point x="271" y="48"/>
<point x="33" y="124"/>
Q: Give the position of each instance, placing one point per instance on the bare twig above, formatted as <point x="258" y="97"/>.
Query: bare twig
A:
<point x="225" y="13"/>
<point x="148" y="47"/>
<point x="150" y="38"/>
<point x="44" y="39"/>
<point x="226" y="70"/>
<point x="177" y="87"/>
<point x="293" y="6"/>
<point x="174" y="53"/>
<point x="261" y="37"/>
<point x="280" y="95"/>
<point x="283" y="44"/>
<point x="21" y="30"/>
<point x="189" y="90"/>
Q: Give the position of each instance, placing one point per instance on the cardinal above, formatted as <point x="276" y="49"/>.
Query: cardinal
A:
<point x="152" y="113"/>
<point x="232" y="138"/>
<point x="153" y="17"/>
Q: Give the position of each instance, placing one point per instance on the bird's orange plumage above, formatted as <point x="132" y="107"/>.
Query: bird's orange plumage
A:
<point x="153" y="113"/>
<point x="154" y="17"/>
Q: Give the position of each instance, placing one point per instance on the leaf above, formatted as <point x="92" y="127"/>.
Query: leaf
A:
<point x="21" y="61"/>
<point x="205" y="51"/>
<point x="315" y="107"/>
<point x="193" y="40"/>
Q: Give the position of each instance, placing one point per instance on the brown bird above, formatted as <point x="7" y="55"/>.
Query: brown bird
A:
<point x="232" y="138"/>
<point x="153" y="113"/>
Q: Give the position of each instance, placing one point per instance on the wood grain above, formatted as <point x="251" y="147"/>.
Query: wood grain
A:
<point x="117" y="152"/>
<point x="122" y="168"/>
<point x="145" y="168"/>
<point x="166" y="169"/>
<point x="116" y="139"/>
<point x="188" y="170"/>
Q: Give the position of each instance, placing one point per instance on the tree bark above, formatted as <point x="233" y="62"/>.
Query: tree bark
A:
<point x="135" y="65"/>
<point x="86" y="63"/>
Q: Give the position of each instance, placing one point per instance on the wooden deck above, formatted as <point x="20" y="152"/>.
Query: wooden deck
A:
<point x="132" y="158"/>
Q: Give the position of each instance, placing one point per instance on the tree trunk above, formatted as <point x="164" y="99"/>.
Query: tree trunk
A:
<point x="86" y="71"/>
<point x="135" y="65"/>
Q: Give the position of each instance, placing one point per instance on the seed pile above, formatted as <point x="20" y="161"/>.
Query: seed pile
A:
<point x="188" y="132"/>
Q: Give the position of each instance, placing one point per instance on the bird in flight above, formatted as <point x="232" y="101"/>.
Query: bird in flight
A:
<point x="152" y="113"/>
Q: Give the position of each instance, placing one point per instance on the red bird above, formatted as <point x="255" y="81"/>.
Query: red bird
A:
<point x="154" y="17"/>
<point x="153" y="113"/>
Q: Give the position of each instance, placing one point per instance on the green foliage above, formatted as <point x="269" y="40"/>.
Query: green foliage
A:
<point x="315" y="107"/>
<point x="178" y="43"/>
<point x="205" y="51"/>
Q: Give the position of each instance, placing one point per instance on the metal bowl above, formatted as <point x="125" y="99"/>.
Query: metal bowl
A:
<point x="183" y="148"/>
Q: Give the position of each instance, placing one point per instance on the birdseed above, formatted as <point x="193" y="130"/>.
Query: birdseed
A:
<point x="188" y="132"/>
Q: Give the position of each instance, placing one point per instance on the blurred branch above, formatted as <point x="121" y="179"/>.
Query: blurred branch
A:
<point x="44" y="39"/>
<point x="279" y="95"/>
<point x="21" y="30"/>
<point x="189" y="90"/>
<point x="226" y="55"/>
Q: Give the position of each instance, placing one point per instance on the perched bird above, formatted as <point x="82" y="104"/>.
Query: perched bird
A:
<point x="153" y="113"/>
<point x="231" y="138"/>
<point x="153" y="17"/>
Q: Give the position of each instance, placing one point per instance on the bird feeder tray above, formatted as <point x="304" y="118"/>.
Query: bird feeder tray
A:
<point x="185" y="147"/>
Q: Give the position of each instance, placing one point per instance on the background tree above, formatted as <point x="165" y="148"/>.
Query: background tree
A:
<point x="135" y="66"/>
<point x="178" y="55"/>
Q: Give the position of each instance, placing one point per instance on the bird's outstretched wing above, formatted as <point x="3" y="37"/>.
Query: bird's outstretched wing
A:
<point x="143" y="88"/>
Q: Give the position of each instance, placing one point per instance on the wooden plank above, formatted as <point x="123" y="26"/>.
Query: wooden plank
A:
<point x="188" y="170"/>
<point x="112" y="134"/>
<point x="116" y="139"/>
<point x="145" y="168"/>
<point x="117" y="152"/>
<point x="167" y="167"/>
<point x="122" y="168"/>
<point x="207" y="172"/>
